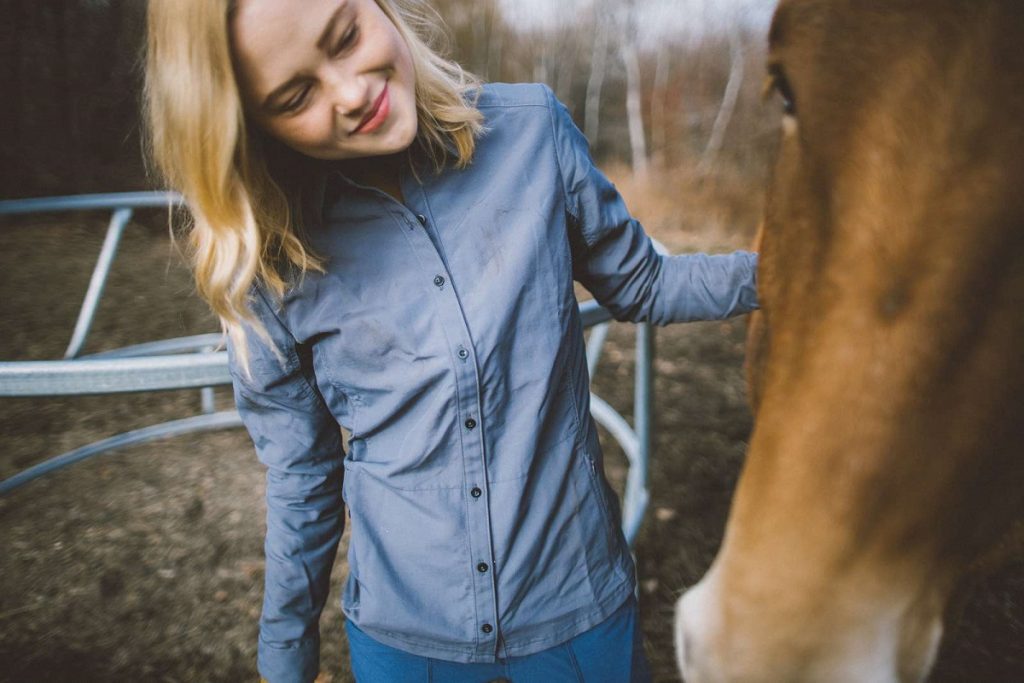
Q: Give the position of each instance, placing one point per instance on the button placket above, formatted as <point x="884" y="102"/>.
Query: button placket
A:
<point x="480" y="514"/>
<point x="473" y="448"/>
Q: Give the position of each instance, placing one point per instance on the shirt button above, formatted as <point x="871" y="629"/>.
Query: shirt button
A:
<point x="476" y="492"/>
<point x="463" y="353"/>
<point x="421" y="218"/>
<point x="470" y="423"/>
<point x="439" y="280"/>
<point x="482" y="567"/>
<point x="486" y="628"/>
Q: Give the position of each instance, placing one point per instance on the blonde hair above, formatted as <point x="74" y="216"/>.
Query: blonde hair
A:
<point x="244" y="224"/>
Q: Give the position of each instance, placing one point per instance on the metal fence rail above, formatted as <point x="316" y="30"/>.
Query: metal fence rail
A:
<point x="194" y="362"/>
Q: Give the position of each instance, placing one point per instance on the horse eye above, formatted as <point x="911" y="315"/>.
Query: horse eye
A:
<point x="777" y="82"/>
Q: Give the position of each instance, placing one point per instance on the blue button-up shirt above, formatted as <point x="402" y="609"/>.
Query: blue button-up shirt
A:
<point x="445" y="337"/>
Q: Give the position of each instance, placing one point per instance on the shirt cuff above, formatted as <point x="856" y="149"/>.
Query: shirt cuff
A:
<point x="295" y="663"/>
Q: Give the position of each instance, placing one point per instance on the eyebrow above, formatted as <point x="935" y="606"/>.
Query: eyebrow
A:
<point x="321" y="42"/>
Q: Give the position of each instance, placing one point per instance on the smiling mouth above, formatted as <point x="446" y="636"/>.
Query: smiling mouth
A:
<point x="377" y="114"/>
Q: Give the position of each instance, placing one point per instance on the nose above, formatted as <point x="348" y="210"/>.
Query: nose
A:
<point x="349" y="93"/>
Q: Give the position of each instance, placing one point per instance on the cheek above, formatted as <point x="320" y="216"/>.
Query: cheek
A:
<point x="404" y="56"/>
<point x="407" y="74"/>
<point x="399" y="53"/>
<point x="307" y="131"/>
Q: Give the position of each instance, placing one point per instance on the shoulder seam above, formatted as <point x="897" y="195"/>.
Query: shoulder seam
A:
<point x="270" y="307"/>
<point x="290" y="353"/>
<point x="549" y="97"/>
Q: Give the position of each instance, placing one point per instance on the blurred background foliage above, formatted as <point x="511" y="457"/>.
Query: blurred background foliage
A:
<point x="686" y="96"/>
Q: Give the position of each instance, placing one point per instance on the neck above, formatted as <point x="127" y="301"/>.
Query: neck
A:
<point x="380" y="172"/>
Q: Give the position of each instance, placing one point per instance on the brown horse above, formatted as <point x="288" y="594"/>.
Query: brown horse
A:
<point x="887" y="363"/>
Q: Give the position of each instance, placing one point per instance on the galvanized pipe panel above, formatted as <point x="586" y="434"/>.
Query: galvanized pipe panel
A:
<point x="78" y="377"/>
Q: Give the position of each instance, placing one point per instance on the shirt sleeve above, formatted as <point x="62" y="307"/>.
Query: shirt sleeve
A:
<point x="298" y="440"/>
<point x="616" y="261"/>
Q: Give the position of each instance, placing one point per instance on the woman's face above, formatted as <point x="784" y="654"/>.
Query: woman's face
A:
<point x="332" y="79"/>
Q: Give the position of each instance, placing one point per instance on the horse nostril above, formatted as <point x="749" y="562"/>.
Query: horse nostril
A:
<point x="686" y="656"/>
<point x="684" y="645"/>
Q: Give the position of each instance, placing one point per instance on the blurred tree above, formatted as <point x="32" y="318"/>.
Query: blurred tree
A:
<point x="729" y="99"/>
<point x="598" y="67"/>
<point x="73" y="68"/>
<point x="637" y="139"/>
<point x="659" y="104"/>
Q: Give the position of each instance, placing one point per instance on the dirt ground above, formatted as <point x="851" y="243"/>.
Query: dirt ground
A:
<point x="146" y="564"/>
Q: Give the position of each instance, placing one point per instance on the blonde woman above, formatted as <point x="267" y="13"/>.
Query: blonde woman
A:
<point x="391" y="247"/>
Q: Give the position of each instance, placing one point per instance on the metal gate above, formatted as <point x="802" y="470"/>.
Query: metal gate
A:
<point x="196" y="362"/>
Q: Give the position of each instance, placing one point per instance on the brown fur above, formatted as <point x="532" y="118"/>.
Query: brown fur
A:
<point x="887" y="363"/>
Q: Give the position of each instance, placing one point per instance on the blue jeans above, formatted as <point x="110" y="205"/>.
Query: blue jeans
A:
<point x="611" y="652"/>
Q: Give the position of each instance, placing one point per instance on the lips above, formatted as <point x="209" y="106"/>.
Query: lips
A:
<point x="377" y="115"/>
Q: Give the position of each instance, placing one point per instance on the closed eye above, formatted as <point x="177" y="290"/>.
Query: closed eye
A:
<point x="346" y="41"/>
<point x="297" y="101"/>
